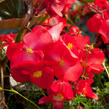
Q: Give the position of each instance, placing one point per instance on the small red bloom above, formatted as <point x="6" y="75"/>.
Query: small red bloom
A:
<point x="71" y="43"/>
<point x="23" y="60"/>
<point x="57" y="6"/>
<point x="92" y="60"/>
<point x="84" y="41"/>
<point x="39" y="74"/>
<point x="104" y="31"/>
<point x="63" y="88"/>
<point x="103" y="4"/>
<point x="83" y="87"/>
<point x="95" y="22"/>
<point x="59" y="91"/>
<point x="74" y="30"/>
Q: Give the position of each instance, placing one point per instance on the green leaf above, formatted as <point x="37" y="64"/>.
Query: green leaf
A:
<point x="88" y="0"/>
<point x="107" y="84"/>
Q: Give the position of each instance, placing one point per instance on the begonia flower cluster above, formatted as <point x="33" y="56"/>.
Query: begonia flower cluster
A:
<point x="99" y="22"/>
<point x="61" y="62"/>
<point x="56" y="61"/>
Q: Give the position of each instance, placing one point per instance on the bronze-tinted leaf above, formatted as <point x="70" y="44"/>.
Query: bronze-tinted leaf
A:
<point x="11" y="23"/>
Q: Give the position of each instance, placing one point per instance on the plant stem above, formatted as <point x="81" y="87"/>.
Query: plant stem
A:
<point x="14" y="91"/>
<point x="2" y="87"/>
<point x="106" y="69"/>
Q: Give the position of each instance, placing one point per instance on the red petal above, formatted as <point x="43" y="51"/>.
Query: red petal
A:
<point x="12" y="49"/>
<point x="22" y="57"/>
<point x="39" y="38"/>
<point x="58" y="105"/>
<point x="96" y="68"/>
<point x="95" y="22"/>
<point x="74" y="72"/>
<point x="104" y="31"/>
<point x="18" y="76"/>
<point x="63" y="88"/>
<point x="46" y="99"/>
<point x="58" y="7"/>
<point x="21" y="72"/>
<point x="45" y="80"/>
<point x="63" y="57"/>
<point x="55" y="31"/>
<point x="84" y="41"/>
<point x="96" y="56"/>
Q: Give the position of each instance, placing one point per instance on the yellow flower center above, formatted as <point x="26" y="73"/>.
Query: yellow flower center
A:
<point x="58" y="97"/>
<point x="37" y="74"/>
<point x="61" y="63"/>
<point x="29" y="50"/>
<point x="84" y="92"/>
<point x="92" y="46"/>
<point x="70" y="46"/>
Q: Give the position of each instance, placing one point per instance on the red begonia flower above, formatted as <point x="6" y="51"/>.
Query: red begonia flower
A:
<point x="92" y="60"/>
<point x="33" y="47"/>
<point x="57" y="100"/>
<point x="104" y="31"/>
<point x="24" y="58"/>
<point x="95" y="22"/>
<point x="62" y="87"/>
<point x="54" y="7"/>
<point x="57" y="6"/>
<point x="103" y="4"/>
<point x="39" y="39"/>
<point x="30" y="51"/>
<point x="84" y="41"/>
<point x="71" y="43"/>
<point x="39" y="74"/>
<point x="60" y="91"/>
<point x="74" y="30"/>
<point x="83" y="87"/>
<point x="63" y="57"/>
<point x="7" y="38"/>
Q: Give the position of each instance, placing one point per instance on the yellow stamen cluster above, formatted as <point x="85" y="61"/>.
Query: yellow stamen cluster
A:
<point x="29" y="50"/>
<point x="37" y="74"/>
<point x="84" y="90"/>
<point x="58" y="97"/>
<point x="70" y="46"/>
<point x="61" y="63"/>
